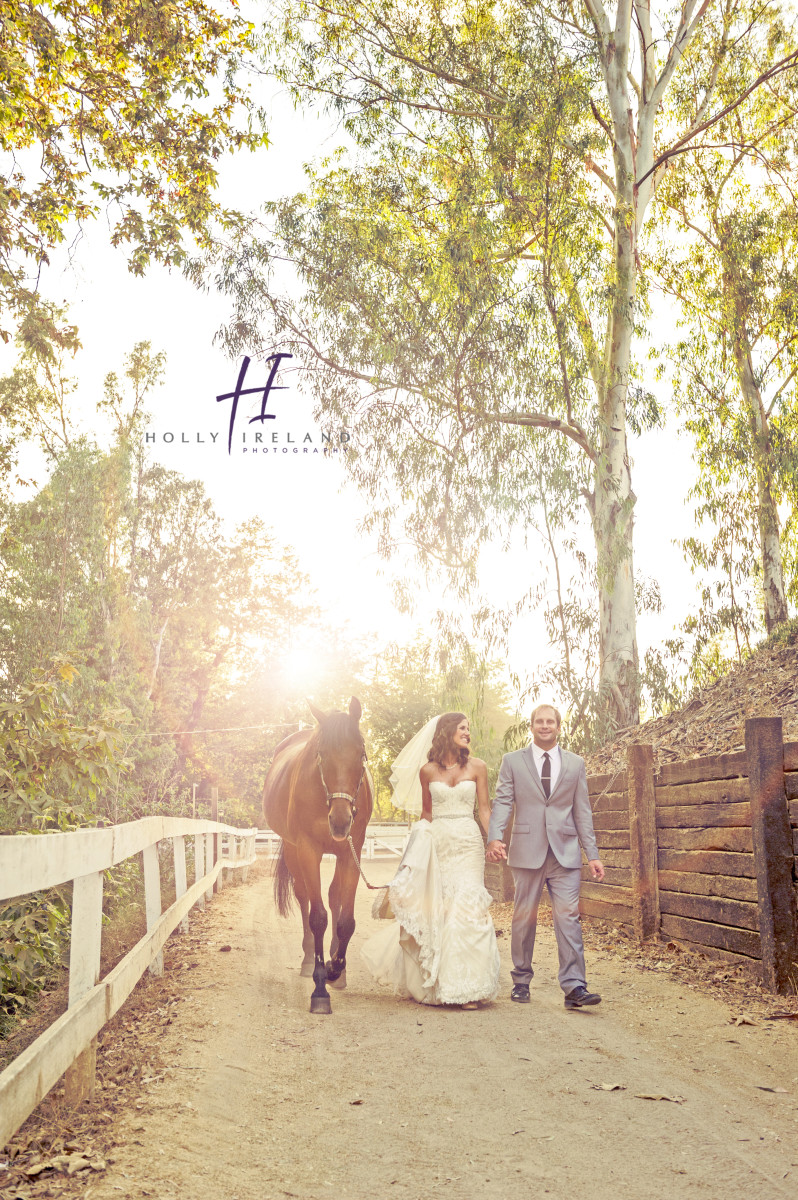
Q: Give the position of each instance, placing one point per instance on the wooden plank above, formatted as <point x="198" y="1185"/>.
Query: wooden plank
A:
<point x="729" y="791"/>
<point x="612" y="839"/>
<point x="36" y="862"/>
<point x="726" y="956"/>
<point x="619" y="913"/>
<point x="708" y="885"/>
<point x="697" y="770"/>
<point x="793" y="810"/>
<point x="741" y="914"/>
<point x="28" y="1079"/>
<point x="643" y="841"/>
<point x="706" y="933"/>
<point x="616" y="818"/>
<point x="738" y="840"/>
<point x="611" y="802"/>
<point x="616" y="875"/>
<point x="689" y="816"/>
<point x="791" y="786"/>
<point x="614" y="783"/>
<point x="616" y="858"/>
<point x="606" y="892"/>
<point x="791" y="756"/>
<point x="773" y="853"/>
<point x="710" y="862"/>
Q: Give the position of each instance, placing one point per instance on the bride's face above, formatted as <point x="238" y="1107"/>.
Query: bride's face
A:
<point x="461" y="738"/>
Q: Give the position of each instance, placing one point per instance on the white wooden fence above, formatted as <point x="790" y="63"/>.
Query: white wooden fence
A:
<point x="382" y="841"/>
<point x="33" y="863"/>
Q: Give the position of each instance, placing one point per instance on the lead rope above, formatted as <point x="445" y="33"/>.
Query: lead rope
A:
<point x="373" y="887"/>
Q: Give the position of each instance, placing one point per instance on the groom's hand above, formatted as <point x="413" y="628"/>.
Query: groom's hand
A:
<point x="596" y="869"/>
<point x="496" y="851"/>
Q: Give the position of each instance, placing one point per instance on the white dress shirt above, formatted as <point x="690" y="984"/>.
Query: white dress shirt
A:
<point x="554" y="758"/>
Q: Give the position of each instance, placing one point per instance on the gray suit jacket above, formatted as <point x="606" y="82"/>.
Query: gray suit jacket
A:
<point x="564" y="821"/>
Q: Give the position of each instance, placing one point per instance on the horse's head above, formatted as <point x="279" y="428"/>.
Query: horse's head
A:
<point x="342" y="764"/>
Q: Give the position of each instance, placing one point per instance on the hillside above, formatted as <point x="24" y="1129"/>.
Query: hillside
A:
<point x="713" y="722"/>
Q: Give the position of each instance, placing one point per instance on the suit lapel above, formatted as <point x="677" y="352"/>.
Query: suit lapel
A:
<point x="565" y="765"/>
<point x="529" y="759"/>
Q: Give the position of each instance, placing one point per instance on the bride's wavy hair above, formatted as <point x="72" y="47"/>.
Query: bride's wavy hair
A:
<point x="442" y="739"/>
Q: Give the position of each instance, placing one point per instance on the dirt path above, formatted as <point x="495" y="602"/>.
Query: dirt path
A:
<point x="390" y="1099"/>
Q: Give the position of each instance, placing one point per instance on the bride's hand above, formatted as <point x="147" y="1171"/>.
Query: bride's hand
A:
<point x="496" y="851"/>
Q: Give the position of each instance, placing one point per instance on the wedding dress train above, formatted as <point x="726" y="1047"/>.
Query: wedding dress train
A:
<point x="441" y="949"/>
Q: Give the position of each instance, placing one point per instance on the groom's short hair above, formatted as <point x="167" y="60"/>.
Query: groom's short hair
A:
<point x="537" y="709"/>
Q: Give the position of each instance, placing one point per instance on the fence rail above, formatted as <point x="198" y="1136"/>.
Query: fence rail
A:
<point x="33" y="863"/>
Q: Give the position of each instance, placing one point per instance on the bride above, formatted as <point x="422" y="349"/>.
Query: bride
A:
<point x="441" y="949"/>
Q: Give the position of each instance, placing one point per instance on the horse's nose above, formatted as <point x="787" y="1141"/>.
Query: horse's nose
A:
<point x="340" y="828"/>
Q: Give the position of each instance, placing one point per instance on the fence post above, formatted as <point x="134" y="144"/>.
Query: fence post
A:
<point x="199" y="864"/>
<point x="152" y="898"/>
<point x="84" y="973"/>
<point x="643" y="841"/>
<point x="179" y="845"/>
<point x="209" y="861"/>
<point x="773" y="853"/>
<point x="218" y="883"/>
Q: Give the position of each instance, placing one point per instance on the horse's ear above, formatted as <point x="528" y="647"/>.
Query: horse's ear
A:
<point x="317" y="713"/>
<point x="355" y="711"/>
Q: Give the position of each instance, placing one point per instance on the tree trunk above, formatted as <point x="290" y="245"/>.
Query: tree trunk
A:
<point x="767" y="513"/>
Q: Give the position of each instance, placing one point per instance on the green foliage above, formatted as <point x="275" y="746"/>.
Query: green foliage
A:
<point x="51" y="768"/>
<point x="33" y="933"/>
<point x="126" y="107"/>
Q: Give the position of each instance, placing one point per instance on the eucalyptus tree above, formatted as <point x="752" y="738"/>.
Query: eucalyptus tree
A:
<point x="473" y="280"/>
<point x="729" y="259"/>
<point x="123" y="108"/>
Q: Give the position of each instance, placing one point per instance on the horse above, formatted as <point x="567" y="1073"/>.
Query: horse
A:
<point x="318" y="797"/>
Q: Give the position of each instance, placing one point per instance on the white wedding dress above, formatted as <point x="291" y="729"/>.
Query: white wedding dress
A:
<point x="441" y="949"/>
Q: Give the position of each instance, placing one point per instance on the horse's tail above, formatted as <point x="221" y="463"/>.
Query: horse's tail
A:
<point x="283" y="885"/>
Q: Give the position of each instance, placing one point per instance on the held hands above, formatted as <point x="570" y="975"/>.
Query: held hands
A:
<point x="596" y="869"/>
<point x="497" y="850"/>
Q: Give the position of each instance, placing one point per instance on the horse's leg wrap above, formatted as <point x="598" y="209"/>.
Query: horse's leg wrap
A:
<point x="337" y="964"/>
<point x="320" y="1000"/>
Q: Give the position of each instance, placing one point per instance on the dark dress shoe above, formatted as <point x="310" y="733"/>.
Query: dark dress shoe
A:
<point x="580" y="996"/>
<point x="520" y="993"/>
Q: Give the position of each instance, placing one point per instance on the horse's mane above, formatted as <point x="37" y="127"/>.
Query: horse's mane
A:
<point x="335" y="733"/>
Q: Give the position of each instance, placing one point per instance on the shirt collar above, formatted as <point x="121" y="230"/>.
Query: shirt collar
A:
<point x="538" y="751"/>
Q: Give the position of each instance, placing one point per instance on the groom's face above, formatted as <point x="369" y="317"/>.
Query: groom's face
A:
<point x="545" y="728"/>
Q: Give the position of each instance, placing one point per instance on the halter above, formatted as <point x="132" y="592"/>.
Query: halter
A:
<point x="330" y="796"/>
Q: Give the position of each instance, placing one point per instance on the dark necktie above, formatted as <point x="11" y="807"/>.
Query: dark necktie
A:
<point x="545" y="776"/>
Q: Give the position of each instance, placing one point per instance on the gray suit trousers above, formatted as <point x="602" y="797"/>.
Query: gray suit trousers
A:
<point x="563" y="884"/>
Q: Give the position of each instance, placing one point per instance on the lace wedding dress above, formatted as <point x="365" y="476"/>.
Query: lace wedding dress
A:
<point x="441" y="949"/>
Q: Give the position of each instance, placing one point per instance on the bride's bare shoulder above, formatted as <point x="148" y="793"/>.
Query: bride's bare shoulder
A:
<point x="429" y="770"/>
<point x="478" y="764"/>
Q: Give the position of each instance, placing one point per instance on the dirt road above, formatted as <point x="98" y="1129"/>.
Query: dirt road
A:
<point x="386" y="1098"/>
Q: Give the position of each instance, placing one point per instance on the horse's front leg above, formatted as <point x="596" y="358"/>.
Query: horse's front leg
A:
<point x="345" y="926"/>
<point x="310" y="860"/>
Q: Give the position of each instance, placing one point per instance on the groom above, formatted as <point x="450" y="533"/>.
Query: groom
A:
<point x="548" y="787"/>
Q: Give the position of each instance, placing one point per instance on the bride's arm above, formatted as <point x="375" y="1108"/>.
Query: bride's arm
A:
<point x="483" y="795"/>
<point x="426" y="799"/>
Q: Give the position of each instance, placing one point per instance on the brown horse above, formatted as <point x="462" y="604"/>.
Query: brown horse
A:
<point x="318" y="794"/>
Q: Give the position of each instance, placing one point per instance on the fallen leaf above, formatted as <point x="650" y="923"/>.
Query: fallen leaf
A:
<point x="222" y="949"/>
<point x="658" y="1096"/>
<point x="763" y="1087"/>
<point x="355" y="1101"/>
<point x="744" y="1019"/>
<point x="783" y="1016"/>
<point x="608" y="1087"/>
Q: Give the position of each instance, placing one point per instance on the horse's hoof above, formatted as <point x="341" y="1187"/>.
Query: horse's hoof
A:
<point x="306" y="970"/>
<point x="321" y="1004"/>
<point x="339" y="983"/>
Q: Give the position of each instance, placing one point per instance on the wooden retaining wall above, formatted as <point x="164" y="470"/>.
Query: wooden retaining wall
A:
<point x="703" y="851"/>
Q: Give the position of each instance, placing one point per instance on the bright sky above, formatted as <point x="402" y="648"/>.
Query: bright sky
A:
<point x="305" y="498"/>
